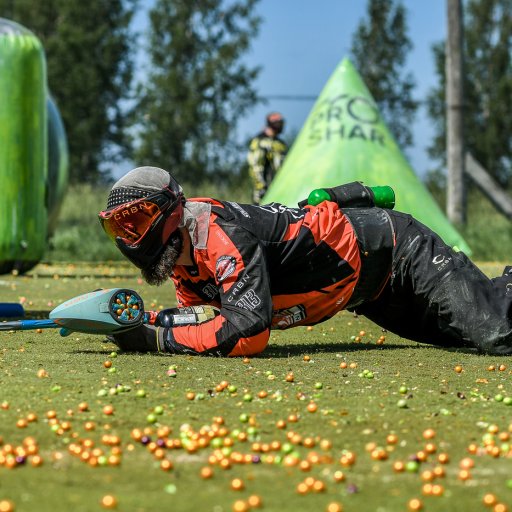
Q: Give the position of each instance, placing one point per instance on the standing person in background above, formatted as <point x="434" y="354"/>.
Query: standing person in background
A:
<point x="266" y="155"/>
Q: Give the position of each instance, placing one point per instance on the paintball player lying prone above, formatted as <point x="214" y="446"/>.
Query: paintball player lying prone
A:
<point x="273" y="267"/>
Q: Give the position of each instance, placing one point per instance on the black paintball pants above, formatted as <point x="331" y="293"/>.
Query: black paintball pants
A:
<point x="438" y="296"/>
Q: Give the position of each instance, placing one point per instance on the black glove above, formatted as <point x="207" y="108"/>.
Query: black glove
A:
<point x="149" y="338"/>
<point x="145" y="338"/>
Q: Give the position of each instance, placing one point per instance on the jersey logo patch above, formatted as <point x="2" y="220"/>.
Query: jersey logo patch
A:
<point x="224" y="267"/>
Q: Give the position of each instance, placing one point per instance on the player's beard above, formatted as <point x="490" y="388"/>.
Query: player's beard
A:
<point x="160" y="271"/>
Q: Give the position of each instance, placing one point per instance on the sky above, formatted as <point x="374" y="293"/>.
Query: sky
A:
<point x="300" y="44"/>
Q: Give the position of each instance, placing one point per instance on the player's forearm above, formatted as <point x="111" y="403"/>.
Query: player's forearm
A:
<point x="217" y="337"/>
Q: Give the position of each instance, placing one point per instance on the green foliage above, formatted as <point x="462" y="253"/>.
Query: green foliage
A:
<point x="379" y="51"/>
<point x="435" y="181"/>
<point x="238" y="190"/>
<point x="436" y="109"/>
<point x="488" y="233"/>
<point x="488" y="88"/>
<point x="88" y="49"/>
<point x="197" y="87"/>
<point x="79" y="236"/>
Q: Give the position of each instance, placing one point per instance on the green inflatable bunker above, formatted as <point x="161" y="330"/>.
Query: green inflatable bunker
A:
<point x="23" y="152"/>
<point x="57" y="165"/>
<point x="344" y="139"/>
<point x="32" y="142"/>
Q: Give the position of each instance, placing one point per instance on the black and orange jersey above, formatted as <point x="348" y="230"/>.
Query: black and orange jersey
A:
<point x="265" y="267"/>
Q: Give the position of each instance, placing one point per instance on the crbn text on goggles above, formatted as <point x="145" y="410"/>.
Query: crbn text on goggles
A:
<point x="131" y="221"/>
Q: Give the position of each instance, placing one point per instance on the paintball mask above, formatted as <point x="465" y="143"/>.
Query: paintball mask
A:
<point x="144" y="210"/>
<point x="276" y="122"/>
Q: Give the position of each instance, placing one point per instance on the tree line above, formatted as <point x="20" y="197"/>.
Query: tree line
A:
<point x="182" y="108"/>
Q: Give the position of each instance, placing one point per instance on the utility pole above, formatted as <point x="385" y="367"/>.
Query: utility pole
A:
<point x="456" y="196"/>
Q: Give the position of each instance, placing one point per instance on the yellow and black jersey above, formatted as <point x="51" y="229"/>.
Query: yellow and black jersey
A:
<point x="265" y="157"/>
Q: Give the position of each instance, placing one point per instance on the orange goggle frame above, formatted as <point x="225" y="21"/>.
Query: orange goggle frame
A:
<point x="132" y="221"/>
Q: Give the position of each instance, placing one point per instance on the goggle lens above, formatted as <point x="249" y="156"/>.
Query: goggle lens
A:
<point x="130" y="221"/>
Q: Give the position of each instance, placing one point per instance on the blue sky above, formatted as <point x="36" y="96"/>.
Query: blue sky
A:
<point x="302" y="41"/>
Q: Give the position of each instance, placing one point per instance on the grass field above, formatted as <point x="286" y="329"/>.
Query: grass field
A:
<point x="365" y="424"/>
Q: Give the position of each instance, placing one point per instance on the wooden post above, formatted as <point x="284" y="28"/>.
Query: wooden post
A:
<point x="456" y="194"/>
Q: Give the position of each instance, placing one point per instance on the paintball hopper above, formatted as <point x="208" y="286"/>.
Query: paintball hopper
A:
<point x="100" y="312"/>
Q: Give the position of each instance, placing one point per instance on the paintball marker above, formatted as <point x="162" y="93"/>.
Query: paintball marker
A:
<point x="110" y="311"/>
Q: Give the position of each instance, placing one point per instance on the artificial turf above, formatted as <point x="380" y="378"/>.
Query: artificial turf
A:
<point x="375" y="404"/>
